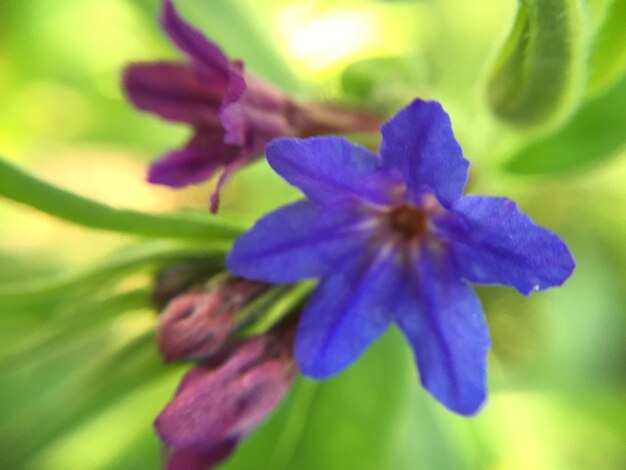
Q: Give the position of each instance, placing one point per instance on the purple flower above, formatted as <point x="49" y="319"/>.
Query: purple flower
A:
<point x="393" y="239"/>
<point x="220" y="402"/>
<point x="233" y="113"/>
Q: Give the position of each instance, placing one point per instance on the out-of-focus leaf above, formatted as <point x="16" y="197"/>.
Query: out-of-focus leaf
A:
<point x="19" y="186"/>
<point x="124" y="435"/>
<point x="53" y="336"/>
<point x="608" y="55"/>
<point x="537" y="80"/>
<point x="64" y="401"/>
<point x="384" y="81"/>
<point x="596" y="132"/>
<point x="119" y="263"/>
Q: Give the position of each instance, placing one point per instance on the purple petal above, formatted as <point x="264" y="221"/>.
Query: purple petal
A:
<point x="418" y="144"/>
<point x="443" y="320"/>
<point x="200" y="459"/>
<point x="253" y="126"/>
<point x="181" y="168"/>
<point x="254" y="112"/>
<point x="493" y="242"/>
<point x="197" y="162"/>
<point x="236" y="82"/>
<point x="205" y="55"/>
<point x="348" y="310"/>
<point x="296" y="242"/>
<point x="328" y="169"/>
<point x="174" y="92"/>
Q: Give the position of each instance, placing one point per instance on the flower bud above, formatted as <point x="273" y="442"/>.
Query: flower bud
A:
<point x="220" y="402"/>
<point x="197" y="324"/>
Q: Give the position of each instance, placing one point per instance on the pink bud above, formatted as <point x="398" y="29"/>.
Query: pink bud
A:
<point x="199" y="459"/>
<point x="197" y="324"/>
<point x="216" y="405"/>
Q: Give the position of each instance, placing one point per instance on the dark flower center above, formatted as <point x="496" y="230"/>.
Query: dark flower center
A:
<point x="408" y="221"/>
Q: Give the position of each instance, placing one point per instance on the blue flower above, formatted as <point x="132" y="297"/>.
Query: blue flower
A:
<point x="393" y="239"/>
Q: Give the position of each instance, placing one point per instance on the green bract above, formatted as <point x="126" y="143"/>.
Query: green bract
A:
<point x="538" y="77"/>
<point x="608" y="57"/>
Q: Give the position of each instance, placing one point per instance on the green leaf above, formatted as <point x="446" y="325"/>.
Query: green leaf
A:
<point x="119" y="438"/>
<point x="372" y="416"/>
<point x="121" y="262"/>
<point x="51" y="402"/>
<point x="19" y="186"/>
<point x="595" y="133"/>
<point x="608" y="56"/>
<point x="57" y="333"/>
<point x="538" y="77"/>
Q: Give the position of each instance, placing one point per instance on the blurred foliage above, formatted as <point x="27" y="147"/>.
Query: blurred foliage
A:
<point x="597" y="131"/>
<point x="81" y="378"/>
<point x="537" y="79"/>
<point x="607" y="60"/>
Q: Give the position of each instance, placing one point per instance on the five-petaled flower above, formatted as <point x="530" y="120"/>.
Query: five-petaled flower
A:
<point x="232" y="112"/>
<point x="393" y="239"/>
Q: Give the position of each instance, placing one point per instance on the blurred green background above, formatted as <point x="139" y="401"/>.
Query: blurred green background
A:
<point x="81" y="378"/>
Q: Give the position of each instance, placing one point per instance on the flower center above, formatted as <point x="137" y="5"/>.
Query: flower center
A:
<point x="408" y="221"/>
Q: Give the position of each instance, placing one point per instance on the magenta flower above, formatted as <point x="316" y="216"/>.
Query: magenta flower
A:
<point x="221" y="401"/>
<point x="233" y="114"/>
<point x="393" y="239"/>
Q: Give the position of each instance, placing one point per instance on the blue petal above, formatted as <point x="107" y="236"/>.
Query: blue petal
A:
<point x="493" y="242"/>
<point x="296" y="242"/>
<point x="443" y="320"/>
<point x="418" y="144"/>
<point x="328" y="169"/>
<point x="347" y="311"/>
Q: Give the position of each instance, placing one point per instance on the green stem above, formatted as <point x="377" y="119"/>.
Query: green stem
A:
<point x="19" y="186"/>
<point x="285" y="300"/>
<point x="259" y="306"/>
